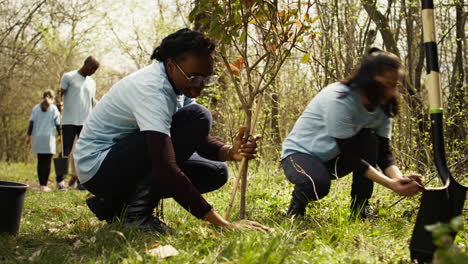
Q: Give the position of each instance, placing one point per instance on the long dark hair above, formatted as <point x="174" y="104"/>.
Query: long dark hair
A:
<point x="374" y="63"/>
<point x="183" y="42"/>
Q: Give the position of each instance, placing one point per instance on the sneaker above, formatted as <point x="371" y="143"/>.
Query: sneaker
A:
<point x="150" y="224"/>
<point x="72" y="181"/>
<point x="80" y="187"/>
<point x="296" y="208"/>
<point x="361" y="209"/>
<point x="44" y="188"/>
<point x="61" y="186"/>
<point x="100" y="209"/>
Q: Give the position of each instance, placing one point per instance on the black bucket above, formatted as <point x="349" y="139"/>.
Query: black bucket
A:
<point x="11" y="206"/>
<point x="61" y="165"/>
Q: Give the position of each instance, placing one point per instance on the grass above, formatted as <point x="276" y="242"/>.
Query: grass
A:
<point x="57" y="227"/>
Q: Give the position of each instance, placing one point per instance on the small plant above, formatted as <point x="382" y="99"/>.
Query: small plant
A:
<point x="447" y="251"/>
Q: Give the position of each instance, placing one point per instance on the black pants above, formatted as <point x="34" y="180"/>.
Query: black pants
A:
<point x="43" y="167"/>
<point x="312" y="177"/>
<point x="70" y="132"/>
<point x="128" y="162"/>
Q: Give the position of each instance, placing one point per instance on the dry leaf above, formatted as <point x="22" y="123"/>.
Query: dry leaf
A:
<point x="69" y="236"/>
<point x="234" y="70"/>
<point x="52" y="230"/>
<point x="55" y="210"/>
<point x="77" y="244"/>
<point x="155" y="245"/>
<point x="163" y="251"/>
<point x="272" y="47"/>
<point x="84" y="225"/>
<point x="239" y="63"/>
<point x="35" y="255"/>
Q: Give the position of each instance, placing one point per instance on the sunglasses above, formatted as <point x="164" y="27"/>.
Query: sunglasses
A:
<point x="198" y="81"/>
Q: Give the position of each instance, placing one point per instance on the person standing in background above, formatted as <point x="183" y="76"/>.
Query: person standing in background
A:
<point x="79" y="97"/>
<point x="45" y="118"/>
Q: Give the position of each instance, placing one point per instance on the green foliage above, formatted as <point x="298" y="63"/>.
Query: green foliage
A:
<point x="447" y="249"/>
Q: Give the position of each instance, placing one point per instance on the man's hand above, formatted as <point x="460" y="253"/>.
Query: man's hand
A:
<point x="406" y="187"/>
<point x="247" y="150"/>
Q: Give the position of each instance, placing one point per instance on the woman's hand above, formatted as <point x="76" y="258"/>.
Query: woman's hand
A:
<point x="247" y="150"/>
<point x="406" y="186"/>
<point x="249" y="225"/>
<point x="218" y="220"/>
<point x="415" y="177"/>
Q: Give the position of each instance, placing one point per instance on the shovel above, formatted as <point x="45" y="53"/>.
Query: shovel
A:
<point x="443" y="203"/>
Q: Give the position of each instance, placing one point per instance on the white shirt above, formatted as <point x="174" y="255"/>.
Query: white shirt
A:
<point x="335" y="112"/>
<point x="78" y="99"/>
<point x="143" y="101"/>
<point x="44" y="129"/>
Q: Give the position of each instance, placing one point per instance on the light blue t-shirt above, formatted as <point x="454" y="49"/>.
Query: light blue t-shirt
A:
<point x="332" y="115"/>
<point x="79" y="97"/>
<point x="143" y="101"/>
<point x="44" y="129"/>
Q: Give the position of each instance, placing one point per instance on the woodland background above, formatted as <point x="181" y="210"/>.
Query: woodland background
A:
<point x="314" y="43"/>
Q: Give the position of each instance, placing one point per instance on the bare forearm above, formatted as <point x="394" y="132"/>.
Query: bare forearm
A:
<point x="376" y="176"/>
<point x="393" y="172"/>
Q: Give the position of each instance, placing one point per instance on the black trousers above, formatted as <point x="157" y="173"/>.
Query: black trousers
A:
<point x="43" y="167"/>
<point x="128" y="163"/>
<point x="312" y="177"/>
<point x="70" y="132"/>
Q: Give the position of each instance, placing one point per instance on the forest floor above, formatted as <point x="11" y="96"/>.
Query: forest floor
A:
<point x="57" y="227"/>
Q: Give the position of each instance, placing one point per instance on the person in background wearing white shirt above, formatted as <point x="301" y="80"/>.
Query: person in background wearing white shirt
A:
<point x="44" y="120"/>
<point x="79" y="97"/>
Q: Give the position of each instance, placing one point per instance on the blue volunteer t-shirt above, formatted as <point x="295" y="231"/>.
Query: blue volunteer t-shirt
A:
<point x="79" y="97"/>
<point x="333" y="114"/>
<point x="142" y="101"/>
<point x="44" y="129"/>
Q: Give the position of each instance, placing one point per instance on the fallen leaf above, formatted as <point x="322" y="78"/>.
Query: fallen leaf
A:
<point x="69" y="236"/>
<point x="163" y="251"/>
<point x="84" y="225"/>
<point x="77" y="244"/>
<point x="155" y="245"/>
<point x="35" y="255"/>
<point x="52" y="230"/>
<point x="55" y="210"/>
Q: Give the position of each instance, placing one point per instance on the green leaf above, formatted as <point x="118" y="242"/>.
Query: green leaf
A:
<point x="306" y="58"/>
